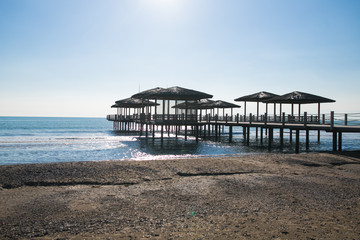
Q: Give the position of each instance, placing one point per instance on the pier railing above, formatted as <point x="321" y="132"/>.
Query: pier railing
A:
<point x="120" y="117"/>
<point x="159" y="118"/>
<point x="347" y="119"/>
<point x="351" y="119"/>
<point x="262" y="118"/>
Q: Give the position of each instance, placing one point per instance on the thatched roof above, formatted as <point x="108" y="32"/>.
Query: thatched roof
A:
<point x="207" y="104"/>
<point x="146" y="93"/>
<point x="177" y="93"/>
<point x="201" y="104"/>
<point x="299" y="97"/>
<point x="256" y="97"/>
<point x="223" y="104"/>
<point x="133" y="103"/>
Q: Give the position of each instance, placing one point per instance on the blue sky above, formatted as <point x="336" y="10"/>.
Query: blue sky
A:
<point x="75" y="58"/>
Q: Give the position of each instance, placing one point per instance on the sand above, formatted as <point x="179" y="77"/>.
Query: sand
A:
<point x="269" y="196"/>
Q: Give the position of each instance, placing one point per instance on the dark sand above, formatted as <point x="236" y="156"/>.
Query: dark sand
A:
<point x="270" y="196"/>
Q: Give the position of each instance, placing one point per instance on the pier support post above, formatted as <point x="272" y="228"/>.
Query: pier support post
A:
<point x="248" y="136"/>
<point x="162" y="132"/>
<point x="197" y="132"/>
<point x="244" y="133"/>
<point x="340" y="141"/>
<point x="230" y="134"/>
<point x="334" y="141"/>
<point x="153" y="133"/>
<point x="261" y="135"/>
<point x="290" y="135"/>
<point x="185" y="129"/>
<point x="141" y="129"/>
<point x="216" y="132"/>
<point x="307" y="140"/>
<point x="318" y="136"/>
<point x="271" y="133"/>
<point x="281" y="137"/>
<point x="297" y="143"/>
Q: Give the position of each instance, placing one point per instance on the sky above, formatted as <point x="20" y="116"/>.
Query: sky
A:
<point x="75" y="58"/>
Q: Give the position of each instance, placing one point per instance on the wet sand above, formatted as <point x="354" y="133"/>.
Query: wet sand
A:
<point x="269" y="196"/>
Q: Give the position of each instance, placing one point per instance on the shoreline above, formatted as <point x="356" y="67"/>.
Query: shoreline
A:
<point x="350" y="153"/>
<point x="262" y="196"/>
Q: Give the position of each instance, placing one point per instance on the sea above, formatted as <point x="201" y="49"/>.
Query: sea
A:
<point x="27" y="140"/>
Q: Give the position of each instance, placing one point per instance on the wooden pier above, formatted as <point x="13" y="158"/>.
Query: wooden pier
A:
<point x="210" y="127"/>
<point x="181" y="113"/>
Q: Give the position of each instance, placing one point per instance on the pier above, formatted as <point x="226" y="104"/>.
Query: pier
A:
<point x="187" y="112"/>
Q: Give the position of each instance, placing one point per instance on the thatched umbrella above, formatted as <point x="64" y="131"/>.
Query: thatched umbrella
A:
<point x="201" y="104"/>
<point x="144" y="95"/>
<point x="256" y="97"/>
<point x="297" y="97"/>
<point x="173" y="93"/>
<point x="208" y="104"/>
<point x="132" y="103"/>
<point x="178" y="93"/>
<point x="222" y="104"/>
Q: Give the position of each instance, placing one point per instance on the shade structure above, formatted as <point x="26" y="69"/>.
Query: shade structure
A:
<point x="223" y="104"/>
<point x="299" y="97"/>
<point x="177" y="93"/>
<point x="132" y="103"/>
<point x="146" y="93"/>
<point x="256" y="97"/>
<point x="201" y="104"/>
<point x="206" y="104"/>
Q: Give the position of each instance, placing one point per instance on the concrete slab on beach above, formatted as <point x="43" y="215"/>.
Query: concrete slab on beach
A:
<point x="269" y="196"/>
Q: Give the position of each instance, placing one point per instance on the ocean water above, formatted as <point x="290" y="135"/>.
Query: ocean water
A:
<point x="25" y="140"/>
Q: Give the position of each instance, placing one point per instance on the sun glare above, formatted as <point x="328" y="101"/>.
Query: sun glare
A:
<point x="164" y="7"/>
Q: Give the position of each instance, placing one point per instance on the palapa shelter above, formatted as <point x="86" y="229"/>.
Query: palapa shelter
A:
<point x="173" y="93"/>
<point x="297" y="97"/>
<point x="144" y="94"/>
<point x="222" y="104"/>
<point x="131" y="103"/>
<point x="177" y="93"/>
<point x="208" y="104"/>
<point x="256" y="97"/>
<point x="201" y="104"/>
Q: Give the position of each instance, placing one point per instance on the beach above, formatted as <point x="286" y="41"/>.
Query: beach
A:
<point x="265" y="196"/>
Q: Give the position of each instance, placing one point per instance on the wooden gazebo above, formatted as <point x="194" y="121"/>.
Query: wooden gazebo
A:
<point x="297" y="97"/>
<point x="176" y="94"/>
<point x="256" y="97"/>
<point x="124" y="106"/>
<point x="208" y="104"/>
